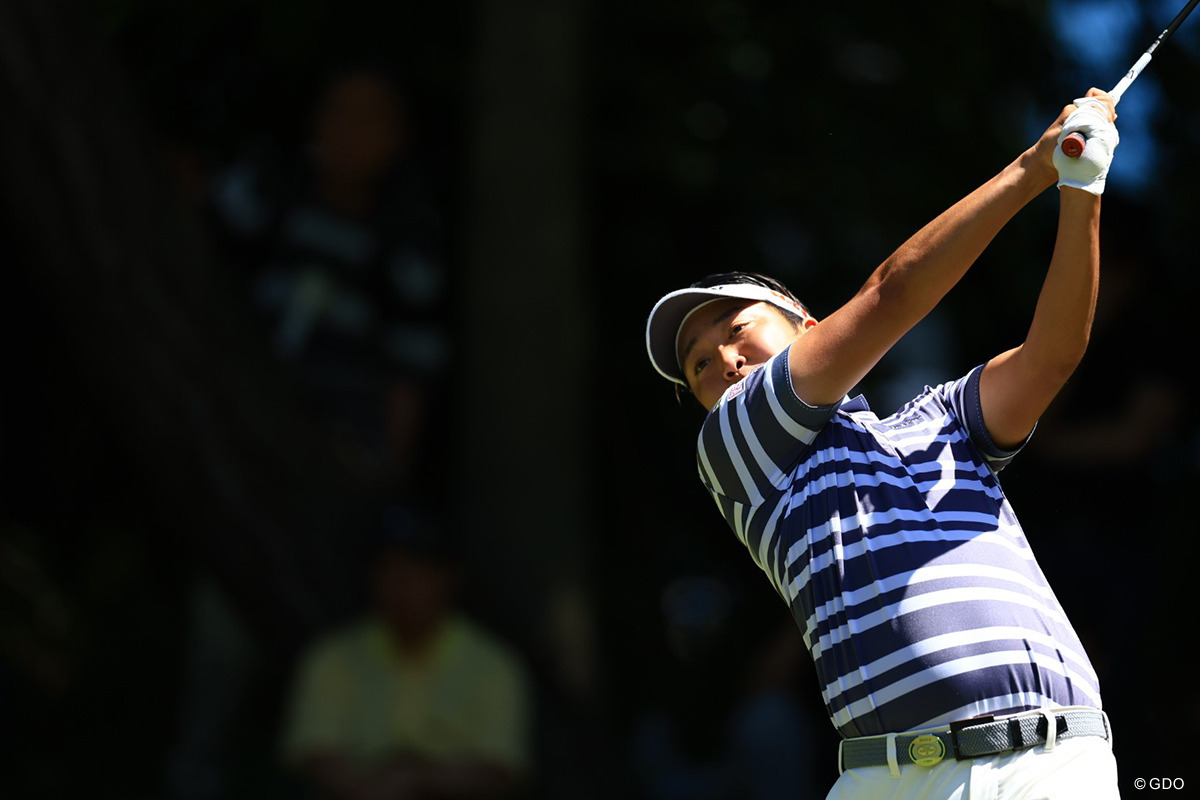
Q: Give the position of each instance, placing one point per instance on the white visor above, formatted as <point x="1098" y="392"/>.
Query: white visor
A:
<point x="669" y="314"/>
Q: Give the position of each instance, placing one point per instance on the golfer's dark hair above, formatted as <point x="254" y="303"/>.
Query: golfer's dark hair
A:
<point x="753" y="279"/>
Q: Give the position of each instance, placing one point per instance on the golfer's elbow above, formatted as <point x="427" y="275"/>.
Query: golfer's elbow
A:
<point x="1055" y="363"/>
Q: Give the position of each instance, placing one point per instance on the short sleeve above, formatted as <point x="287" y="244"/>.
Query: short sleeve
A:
<point x="963" y="397"/>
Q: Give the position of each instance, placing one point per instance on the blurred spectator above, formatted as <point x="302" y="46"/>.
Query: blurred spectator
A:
<point x="342" y="249"/>
<point x="414" y="700"/>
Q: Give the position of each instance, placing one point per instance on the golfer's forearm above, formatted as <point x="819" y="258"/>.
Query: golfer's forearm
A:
<point x="1018" y="386"/>
<point x="1062" y="321"/>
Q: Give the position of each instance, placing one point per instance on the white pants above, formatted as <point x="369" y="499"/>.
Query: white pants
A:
<point x="1074" y="769"/>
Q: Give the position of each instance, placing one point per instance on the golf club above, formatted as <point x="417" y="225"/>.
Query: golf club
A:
<point x="1072" y="145"/>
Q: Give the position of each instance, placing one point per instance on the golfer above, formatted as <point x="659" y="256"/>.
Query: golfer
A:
<point x="945" y="660"/>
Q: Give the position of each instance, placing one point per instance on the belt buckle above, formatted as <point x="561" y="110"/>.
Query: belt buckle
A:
<point x="958" y="725"/>
<point x="926" y="750"/>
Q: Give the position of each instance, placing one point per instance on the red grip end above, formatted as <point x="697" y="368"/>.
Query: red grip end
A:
<point x="1072" y="145"/>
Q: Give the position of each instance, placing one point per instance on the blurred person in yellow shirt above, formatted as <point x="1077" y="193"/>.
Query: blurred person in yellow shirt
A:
<point x="414" y="700"/>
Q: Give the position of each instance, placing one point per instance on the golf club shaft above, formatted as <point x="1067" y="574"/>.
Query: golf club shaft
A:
<point x="1072" y="145"/>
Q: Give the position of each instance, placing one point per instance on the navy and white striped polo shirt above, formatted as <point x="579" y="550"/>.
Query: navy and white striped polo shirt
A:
<point x="904" y="566"/>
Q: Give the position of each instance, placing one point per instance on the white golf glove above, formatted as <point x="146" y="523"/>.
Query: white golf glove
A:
<point x="1089" y="171"/>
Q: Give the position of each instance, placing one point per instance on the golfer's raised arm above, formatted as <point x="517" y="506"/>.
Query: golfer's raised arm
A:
<point x="829" y="360"/>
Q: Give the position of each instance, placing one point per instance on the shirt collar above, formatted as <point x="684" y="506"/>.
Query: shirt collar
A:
<point x="856" y="403"/>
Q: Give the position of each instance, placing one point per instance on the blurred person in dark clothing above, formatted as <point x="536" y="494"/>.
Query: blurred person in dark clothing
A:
<point x="341" y="245"/>
<point x="414" y="700"/>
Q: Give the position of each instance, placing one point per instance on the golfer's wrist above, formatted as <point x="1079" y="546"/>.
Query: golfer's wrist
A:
<point x="1038" y="170"/>
<point x="1078" y="202"/>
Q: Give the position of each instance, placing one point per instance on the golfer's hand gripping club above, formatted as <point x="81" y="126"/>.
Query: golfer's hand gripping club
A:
<point x="1089" y="170"/>
<point x="1073" y="143"/>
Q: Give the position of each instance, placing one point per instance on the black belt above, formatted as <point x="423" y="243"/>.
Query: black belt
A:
<point x="972" y="738"/>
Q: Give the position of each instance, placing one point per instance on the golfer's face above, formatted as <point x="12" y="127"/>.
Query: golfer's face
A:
<point x="724" y="341"/>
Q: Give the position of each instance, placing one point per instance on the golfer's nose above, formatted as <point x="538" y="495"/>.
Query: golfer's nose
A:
<point x="732" y="361"/>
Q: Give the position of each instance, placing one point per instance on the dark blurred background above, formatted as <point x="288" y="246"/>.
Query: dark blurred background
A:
<point x="201" y="420"/>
